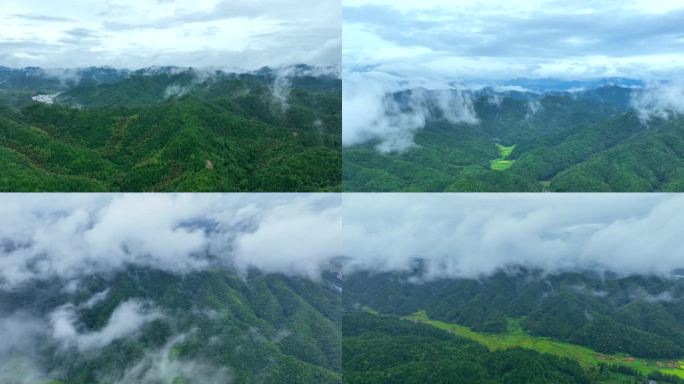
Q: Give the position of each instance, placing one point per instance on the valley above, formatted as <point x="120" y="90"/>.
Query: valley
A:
<point x="592" y="140"/>
<point x="515" y="336"/>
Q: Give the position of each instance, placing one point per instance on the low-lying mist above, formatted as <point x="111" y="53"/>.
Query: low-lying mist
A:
<point x="662" y="100"/>
<point x="462" y="235"/>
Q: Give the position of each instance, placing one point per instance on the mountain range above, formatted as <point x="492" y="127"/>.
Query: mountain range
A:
<point x="170" y="129"/>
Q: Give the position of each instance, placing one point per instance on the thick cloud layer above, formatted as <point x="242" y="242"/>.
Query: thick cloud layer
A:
<point x="201" y="33"/>
<point x="291" y="240"/>
<point x="71" y="236"/>
<point x="467" y="235"/>
<point x="68" y="237"/>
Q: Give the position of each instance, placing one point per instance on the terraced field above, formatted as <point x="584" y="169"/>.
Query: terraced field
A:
<point x="503" y="163"/>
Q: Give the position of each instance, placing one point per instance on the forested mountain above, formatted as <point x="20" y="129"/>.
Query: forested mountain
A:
<point x="147" y="326"/>
<point x="579" y="140"/>
<point x="612" y="326"/>
<point x="170" y="129"/>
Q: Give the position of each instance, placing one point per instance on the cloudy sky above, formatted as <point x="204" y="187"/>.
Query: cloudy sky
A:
<point x="493" y="39"/>
<point x="467" y="235"/>
<point x="243" y="34"/>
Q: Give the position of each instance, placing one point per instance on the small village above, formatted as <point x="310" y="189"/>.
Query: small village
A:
<point x="47" y="99"/>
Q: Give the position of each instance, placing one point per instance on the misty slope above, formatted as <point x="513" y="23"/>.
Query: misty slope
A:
<point x="147" y="326"/>
<point x="563" y="141"/>
<point x="641" y="316"/>
<point x="168" y="129"/>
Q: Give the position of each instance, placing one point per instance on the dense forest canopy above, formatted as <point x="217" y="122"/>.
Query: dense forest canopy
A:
<point x="170" y="129"/>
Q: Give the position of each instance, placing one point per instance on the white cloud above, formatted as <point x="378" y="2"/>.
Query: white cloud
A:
<point x="372" y="112"/>
<point x="533" y="106"/>
<point x="96" y="299"/>
<point x="281" y="87"/>
<point x="126" y="321"/>
<point x="292" y="239"/>
<point x="471" y="234"/>
<point x="659" y="100"/>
